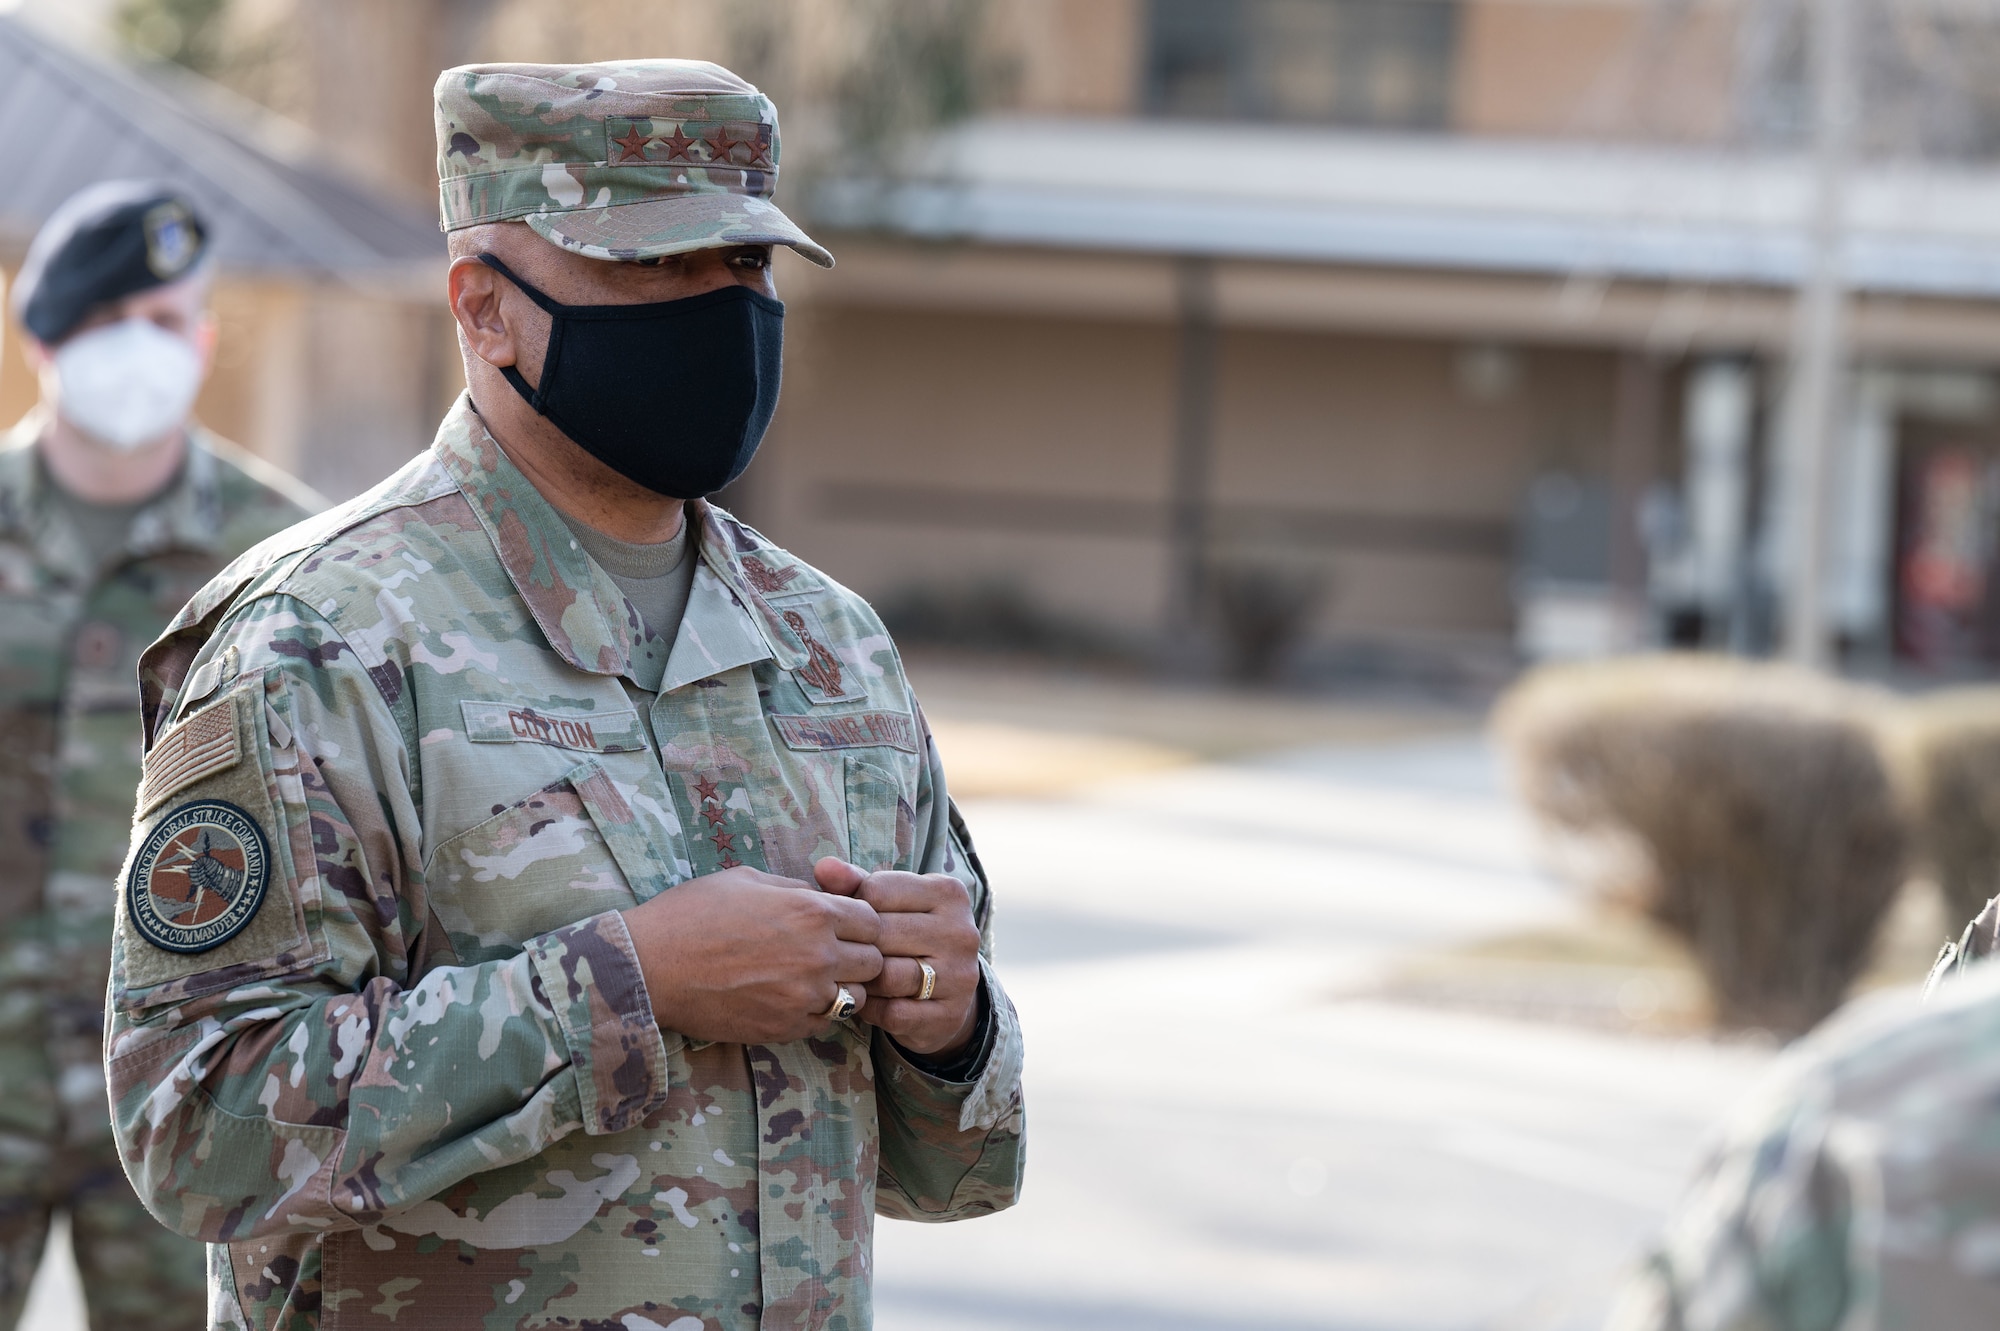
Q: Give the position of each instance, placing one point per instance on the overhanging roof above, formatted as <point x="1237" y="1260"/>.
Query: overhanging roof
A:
<point x="1263" y="191"/>
<point x="68" y="120"/>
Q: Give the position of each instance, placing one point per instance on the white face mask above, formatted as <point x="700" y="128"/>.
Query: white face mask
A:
<point x="127" y="384"/>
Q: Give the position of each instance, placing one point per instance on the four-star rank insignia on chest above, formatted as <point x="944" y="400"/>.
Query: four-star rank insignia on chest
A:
<point x="199" y="877"/>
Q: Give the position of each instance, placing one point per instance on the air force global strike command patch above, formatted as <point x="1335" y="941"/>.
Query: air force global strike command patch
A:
<point x="199" y="877"/>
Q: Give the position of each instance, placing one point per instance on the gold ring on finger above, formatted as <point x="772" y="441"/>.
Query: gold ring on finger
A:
<point x="929" y="985"/>
<point x="843" y="1007"/>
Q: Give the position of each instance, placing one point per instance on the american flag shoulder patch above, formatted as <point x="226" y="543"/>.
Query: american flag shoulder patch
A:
<point x="200" y="746"/>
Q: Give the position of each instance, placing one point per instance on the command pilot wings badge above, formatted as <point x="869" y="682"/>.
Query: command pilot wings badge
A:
<point x="199" y="877"/>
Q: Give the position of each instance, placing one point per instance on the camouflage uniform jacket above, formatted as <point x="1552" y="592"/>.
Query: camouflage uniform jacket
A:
<point x="425" y="1076"/>
<point x="1860" y="1189"/>
<point x="72" y="624"/>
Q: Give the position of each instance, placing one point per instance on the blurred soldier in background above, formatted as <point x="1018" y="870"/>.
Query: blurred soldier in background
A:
<point x="114" y="510"/>
<point x="546" y="908"/>
<point x="1859" y="1189"/>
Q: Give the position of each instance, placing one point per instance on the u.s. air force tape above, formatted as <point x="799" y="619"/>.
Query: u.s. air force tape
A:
<point x="199" y="877"/>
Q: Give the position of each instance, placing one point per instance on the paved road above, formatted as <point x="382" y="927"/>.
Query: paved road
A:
<point x="1225" y="1135"/>
<point x="1226" y="1132"/>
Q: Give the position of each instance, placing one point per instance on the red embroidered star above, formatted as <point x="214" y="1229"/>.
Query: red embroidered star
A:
<point x="716" y="816"/>
<point x="677" y="145"/>
<point x="706" y="788"/>
<point x="632" y="148"/>
<point x="759" y="145"/>
<point x="724" y="841"/>
<point x="722" y="144"/>
<point x="729" y="861"/>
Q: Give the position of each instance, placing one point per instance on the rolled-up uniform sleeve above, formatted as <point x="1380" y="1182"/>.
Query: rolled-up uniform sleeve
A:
<point x="953" y="1149"/>
<point x="304" y="1063"/>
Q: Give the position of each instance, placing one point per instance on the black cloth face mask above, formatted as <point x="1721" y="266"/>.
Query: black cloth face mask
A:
<point x="673" y="395"/>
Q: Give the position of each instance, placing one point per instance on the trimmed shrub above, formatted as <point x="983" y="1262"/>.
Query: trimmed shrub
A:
<point x="1762" y="823"/>
<point x="1948" y="747"/>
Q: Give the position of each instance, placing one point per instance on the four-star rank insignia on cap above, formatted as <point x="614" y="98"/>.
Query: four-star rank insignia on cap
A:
<point x="172" y="243"/>
<point x="199" y="877"/>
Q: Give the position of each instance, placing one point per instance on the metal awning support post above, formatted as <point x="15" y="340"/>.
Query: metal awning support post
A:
<point x="1190" y="499"/>
<point x="1819" y="336"/>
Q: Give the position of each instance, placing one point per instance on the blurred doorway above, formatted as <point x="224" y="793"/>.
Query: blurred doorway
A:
<point x="1947" y="582"/>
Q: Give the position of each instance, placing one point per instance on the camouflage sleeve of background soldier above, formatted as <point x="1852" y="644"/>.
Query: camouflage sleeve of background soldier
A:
<point x="952" y="1150"/>
<point x="309" y="1082"/>
<point x="1980" y="940"/>
<point x="1761" y="1240"/>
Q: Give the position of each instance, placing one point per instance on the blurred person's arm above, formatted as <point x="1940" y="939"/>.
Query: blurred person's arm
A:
<point x="1860" y="1186"/>
<point x="952" y="1126"/>
<point x="1981" y="939"/>
<point x="1760" y="1241"/>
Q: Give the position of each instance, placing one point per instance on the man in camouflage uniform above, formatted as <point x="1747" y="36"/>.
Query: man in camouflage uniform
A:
<point x="1860" y="1188"/>
<point x="103" y="537"/>
<point x="471" y="969"/>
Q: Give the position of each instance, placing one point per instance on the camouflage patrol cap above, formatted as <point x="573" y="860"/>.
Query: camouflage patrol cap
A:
<point x="626" y="159"/>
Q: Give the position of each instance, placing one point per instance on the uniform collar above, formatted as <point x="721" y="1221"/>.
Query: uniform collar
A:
<point x="186" y="516"/>
<point x="580" y="610"/>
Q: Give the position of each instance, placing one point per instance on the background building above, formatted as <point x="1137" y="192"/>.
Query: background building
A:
<point x="1337" y="336"/>
<point x="1402" y="305"/>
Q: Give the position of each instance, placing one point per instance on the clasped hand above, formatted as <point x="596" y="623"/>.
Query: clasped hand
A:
<point x="751" y="958"/>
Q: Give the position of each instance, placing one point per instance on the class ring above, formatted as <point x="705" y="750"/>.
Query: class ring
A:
<point x="843" y="1007"/>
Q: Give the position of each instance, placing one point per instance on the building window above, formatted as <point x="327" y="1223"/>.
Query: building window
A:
<point x="1385" y="63"/>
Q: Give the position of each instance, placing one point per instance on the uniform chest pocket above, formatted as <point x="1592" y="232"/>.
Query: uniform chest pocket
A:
<point x="571" y="850"/>
<point x="881" y="825"/>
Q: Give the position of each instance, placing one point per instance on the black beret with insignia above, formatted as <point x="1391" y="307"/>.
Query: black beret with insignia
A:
<point x="108" y="242"/>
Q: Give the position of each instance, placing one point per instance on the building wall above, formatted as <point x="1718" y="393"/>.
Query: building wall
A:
<point x="925" y="450"/>
<point x="1524" y="67"/>
<point x="257" y="393"/>
<point x="1075" y="57"/>
<point x="378" y="376"/>
<point x="580" y="30"/>
<point x="17" y="385"/>
<point x="1565" y="68"/>
<point x="1412" y="457"/>
<point x="1530" y="68"/>
<point x="938" y="451"/>
<point x="1537" y="68"/>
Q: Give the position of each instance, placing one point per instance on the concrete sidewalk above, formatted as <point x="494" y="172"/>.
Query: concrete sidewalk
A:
<point x="1230" y="1127"/>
